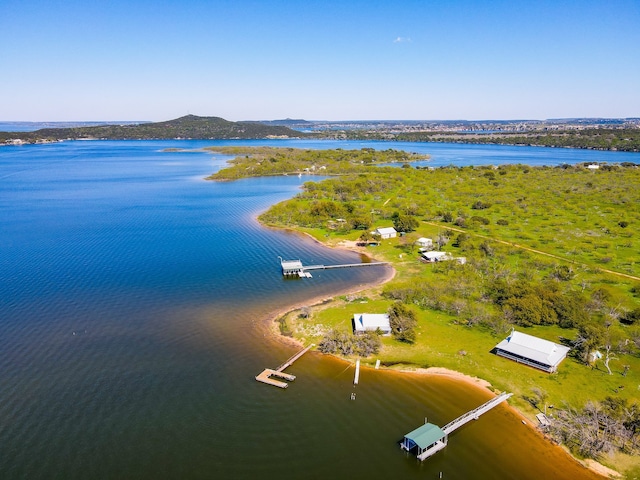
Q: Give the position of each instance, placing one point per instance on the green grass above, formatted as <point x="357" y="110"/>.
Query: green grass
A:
<point x="533" y="220"/>
<point x="443" y="342"/>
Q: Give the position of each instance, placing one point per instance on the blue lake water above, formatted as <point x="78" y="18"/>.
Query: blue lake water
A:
<point x="133" y="300"/>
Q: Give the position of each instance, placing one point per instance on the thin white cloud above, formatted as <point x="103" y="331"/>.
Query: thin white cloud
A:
<point x="402" y="40"/>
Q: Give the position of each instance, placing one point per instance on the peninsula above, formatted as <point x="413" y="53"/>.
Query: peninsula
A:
<point x="546" y="251"/>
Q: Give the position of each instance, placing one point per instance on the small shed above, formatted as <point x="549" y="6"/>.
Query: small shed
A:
<point x="533" y="351"/>
<point x="425" y="440"/>
<point x="425" y="243"/>
<point x="371" y="322"/>
<point x="436" y="256"/>
<point x="386" y="232"/>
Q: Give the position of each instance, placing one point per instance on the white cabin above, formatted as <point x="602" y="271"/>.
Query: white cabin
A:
<point x="386" y="232"/>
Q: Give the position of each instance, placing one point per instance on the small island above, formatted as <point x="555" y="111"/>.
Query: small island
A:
<point x="479" y="253"/>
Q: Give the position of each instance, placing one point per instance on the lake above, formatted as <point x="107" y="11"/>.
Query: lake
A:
<point x="133" y="302"/>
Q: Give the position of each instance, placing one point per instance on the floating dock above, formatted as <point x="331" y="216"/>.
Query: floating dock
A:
<point x="429" y="438"/>
<point x="295" y="268"/>
<point x="267" y="373"/>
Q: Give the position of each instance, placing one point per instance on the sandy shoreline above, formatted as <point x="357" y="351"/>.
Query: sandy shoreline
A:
<point x="270" y="324"/>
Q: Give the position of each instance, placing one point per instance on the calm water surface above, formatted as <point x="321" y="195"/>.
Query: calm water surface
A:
<point x="132" y="299"/>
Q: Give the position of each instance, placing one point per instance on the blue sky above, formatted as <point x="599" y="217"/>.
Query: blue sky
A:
<point x="318" y="60"/>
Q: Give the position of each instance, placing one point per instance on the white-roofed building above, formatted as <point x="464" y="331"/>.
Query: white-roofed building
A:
<point x="425" y="243"/>
<point x="370" y="322"/>
<point x="291" y="267"/>
<point x="386" y="232"/>
<point x="533" y="351"/>
<point x="434" y="256"/>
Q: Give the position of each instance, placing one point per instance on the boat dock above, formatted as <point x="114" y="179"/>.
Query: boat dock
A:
<point x="267" y="373"/>
<point x="429" y="438"/>
<point x="296" y="268"/>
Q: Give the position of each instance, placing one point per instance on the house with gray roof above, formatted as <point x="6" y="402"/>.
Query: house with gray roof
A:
<point x="533" y="351"/>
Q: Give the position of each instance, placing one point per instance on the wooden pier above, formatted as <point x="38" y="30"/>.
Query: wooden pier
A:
<point x="429" y="438"/>
<point x="267" y="373"/>
<point x="297" y="269"/>
<point x="345" y="265"/>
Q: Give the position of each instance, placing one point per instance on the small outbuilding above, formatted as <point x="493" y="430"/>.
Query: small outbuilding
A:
<point x="425" y="243"/>
<point x="533" y="351"/>
<point x="386" y="232"/>
<point x="371" y="322"/>
<point x="434" y="256"/>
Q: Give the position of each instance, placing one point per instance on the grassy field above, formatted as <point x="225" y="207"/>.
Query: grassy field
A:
<point x="553" y="252"/>
<point x="442" y="341"/>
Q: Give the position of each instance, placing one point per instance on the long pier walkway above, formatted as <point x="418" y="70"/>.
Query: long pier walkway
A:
<point x="475" y="413"/>
<point x="345" y="265"/>
<point x="296" y="269"/>
<point x="267" y="373"/>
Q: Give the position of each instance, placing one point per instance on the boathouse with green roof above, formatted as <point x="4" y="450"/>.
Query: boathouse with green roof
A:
<point x="425" y="440"/>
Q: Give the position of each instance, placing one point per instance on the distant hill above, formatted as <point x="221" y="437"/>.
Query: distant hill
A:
<point x="187" y="127"/>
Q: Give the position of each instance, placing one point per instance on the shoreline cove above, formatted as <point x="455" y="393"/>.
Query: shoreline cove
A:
<point x="270" y="324"/>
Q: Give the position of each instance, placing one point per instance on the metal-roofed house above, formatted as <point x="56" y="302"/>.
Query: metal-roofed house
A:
<point x="425" y="440"/>
<point x="386" y="232"/>
<point x="371" y="322"/>
<point x="533" y="351"/>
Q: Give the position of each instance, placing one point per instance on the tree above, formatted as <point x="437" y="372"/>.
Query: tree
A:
<point x="570" y="307"/>
<point x="589" y="337"/>
<point x="526" y="311"/>
<point x="441" y="240"/>
<point x="346" y="344"/>
<point x="365" y="237"/>
<point x="613" y="345"/>
<point x="480" y="205"/>
<point x="360" y="222"/>
<point x="403" y="322"/>
<point x="404" y="223"/>
<point x="562" y="273"/>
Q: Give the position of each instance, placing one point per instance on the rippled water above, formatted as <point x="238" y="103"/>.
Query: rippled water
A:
<point x="132" y="295"/>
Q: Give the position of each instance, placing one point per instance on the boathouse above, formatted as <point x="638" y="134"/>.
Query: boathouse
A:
<point x="533" y="351"/>
<point x="425" y="440"/>
<point x="371" y="322"/>
<point x="291" y="267"/>
<point x="386" y="232"/>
